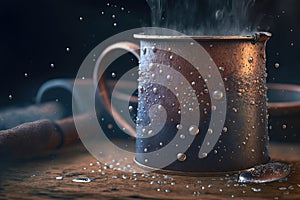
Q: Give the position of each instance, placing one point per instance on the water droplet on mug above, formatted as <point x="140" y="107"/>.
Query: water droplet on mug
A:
<point x="277" y="65"/>
<point x="160" y="108"/>
<point x="181" y="157"/>
<point x="150" y="132"/>
<point x="219" y="14"/>
<point x="10" y="97"/>
<point x="130" y="108"/>
<point x="250" y="60"/>
<point x="214" y="107"/>
<point x="193" y="130"/>
<point x="179" y="126"/>
<point x="217" y="95"/>
<point x="182" y="136"/>
<point x="210" y="131"/>
<point x="154" y="49"/>
<point x="204" y="155"/>
<point x="169" y="77"/>
<point x="52" y="65"/>
<point x="151" y="66"/>
<point x="68" y="49"/>
<point x="252" y="102"/>
<point x="222" y="69"/>
<point x="113" y="75"/>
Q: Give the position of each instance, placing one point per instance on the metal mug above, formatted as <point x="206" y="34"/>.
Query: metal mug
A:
<point x="175" y="90"/>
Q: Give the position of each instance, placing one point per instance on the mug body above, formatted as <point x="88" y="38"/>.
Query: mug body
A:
<point x="202" y="103"/>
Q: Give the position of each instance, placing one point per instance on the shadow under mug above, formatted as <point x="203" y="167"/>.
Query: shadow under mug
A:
<point x="201" y="102"/>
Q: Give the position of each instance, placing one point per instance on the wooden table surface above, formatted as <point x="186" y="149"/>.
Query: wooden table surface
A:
<point x="52" y="178"/>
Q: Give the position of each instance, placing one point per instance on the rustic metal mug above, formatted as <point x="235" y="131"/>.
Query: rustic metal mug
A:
<point x="200" y="110"/>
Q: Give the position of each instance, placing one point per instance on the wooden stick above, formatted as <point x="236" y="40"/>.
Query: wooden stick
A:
<point x="13" y="117"/>
<point x="38" y="138"/>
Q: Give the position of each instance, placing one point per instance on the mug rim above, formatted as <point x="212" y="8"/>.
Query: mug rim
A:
<point x="203" y="37"/>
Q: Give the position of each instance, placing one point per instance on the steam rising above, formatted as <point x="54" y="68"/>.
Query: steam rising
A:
<point x="208" y="17"/>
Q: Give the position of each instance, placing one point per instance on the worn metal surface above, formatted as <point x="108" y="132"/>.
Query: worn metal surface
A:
<point x="241" y="62"/>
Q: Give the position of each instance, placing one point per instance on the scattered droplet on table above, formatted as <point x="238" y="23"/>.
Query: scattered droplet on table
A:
<point x="59" y="178"/>
<point x="81" y="180"/>
<point x="265" y="173"/>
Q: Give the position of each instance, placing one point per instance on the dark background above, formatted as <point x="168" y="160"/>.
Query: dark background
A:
<point x="35" y="34"/>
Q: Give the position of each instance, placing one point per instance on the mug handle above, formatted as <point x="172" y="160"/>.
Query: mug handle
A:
<point x="127" y="46"/>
